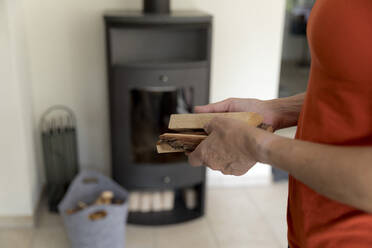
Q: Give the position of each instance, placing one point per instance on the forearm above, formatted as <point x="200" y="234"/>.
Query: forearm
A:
<point x="340" y="173"/>
<point x="287" y="110"/>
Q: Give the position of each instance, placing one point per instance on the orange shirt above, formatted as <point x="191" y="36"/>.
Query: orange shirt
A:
<point x="338" y="111"/>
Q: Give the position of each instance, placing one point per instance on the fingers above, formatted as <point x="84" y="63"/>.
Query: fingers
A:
<point x="217" y="107"/>
<point x="208" y="128"/>
<point x="237" y="169"/>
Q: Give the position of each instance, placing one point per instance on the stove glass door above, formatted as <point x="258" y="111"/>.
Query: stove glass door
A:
<point x="150" y="110"/>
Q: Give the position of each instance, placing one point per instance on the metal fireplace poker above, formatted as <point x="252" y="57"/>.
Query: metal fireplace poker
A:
<point x="60" y="150"/>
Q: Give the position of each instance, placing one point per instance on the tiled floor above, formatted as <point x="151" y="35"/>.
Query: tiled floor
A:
<point x="236" y="218"/>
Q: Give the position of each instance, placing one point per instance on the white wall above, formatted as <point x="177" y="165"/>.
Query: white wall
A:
<point x="67" y="52"/>
<point x="247" y="54"/>
<point x="19" y="184"/>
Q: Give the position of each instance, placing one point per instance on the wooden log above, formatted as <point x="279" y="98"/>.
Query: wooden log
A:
<point x="105" y="198"/>
<point x="163" y="147"/>
<point x="179" y="142"/>
<point x="100" y="214"/>
<point x="145" y="202"/>
<point x="188" y="140"/>
<point x="198" y="121"/>
<point x="168" y="200"/>
<point x="134" y="201"/>
<point x="157" y="202"/>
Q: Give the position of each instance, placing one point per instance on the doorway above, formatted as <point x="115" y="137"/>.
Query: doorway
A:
<point x="295" y="63"/>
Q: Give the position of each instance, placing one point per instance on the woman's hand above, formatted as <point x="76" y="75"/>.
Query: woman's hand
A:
<point x="279" y="113"/>
<point x="232" y="147"/>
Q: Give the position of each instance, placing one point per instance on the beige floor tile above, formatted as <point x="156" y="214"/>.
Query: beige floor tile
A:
<point x="139" y="237"/>
<point x="248" y="217"/>
<point x="230" y="206"/>
<point x="257" y="230"/>
<point x="195" y="234"/>
<point x="252" y="244"/>
<point x="270" y="200"/>
<point x="50" y="237"/>
<point x="46" y="218"/>
<point x="236" y="218"/>
<point x="272" y="203"/>
<point x="279" y="227"/>
<point x="16" y="238"/>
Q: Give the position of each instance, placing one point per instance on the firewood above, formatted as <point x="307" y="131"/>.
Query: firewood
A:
<point x="168" y="200"/>
<point x="163" y="147"/>
<point x="80" y="206"/>
<point x="187" y="140"/>
<point x="105" y="198"/>
<point x="184" y="142"/>
<point x="71" y="211"/>
<point x="157" y="203"/>
<point x="145" y="202"/>
<point x="98" y="215"/>
<point x="117" y="202"/>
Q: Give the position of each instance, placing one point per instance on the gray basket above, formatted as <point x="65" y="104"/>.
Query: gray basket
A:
<point x="85" y="233"/>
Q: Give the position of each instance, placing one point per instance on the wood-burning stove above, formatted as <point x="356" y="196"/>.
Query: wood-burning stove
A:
<point x="158" y="64"/>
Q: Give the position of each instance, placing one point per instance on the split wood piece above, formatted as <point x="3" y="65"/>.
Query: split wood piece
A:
<point x="117" y="202"/>
<point x="188" y="140"/>
<point x="163" y="147"/>
<point x="80" y="206"/>
<point x="179" y="142"/>
<point x="105" y="198"/>
<point x="98" y="215"/>
<point x="198" y="121"/>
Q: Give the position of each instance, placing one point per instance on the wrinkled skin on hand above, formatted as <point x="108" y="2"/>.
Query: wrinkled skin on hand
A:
<point x="265" y="108"/>
<point x="232" y="147"/>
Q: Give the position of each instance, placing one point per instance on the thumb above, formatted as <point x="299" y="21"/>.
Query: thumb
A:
<point x="195" y="158"/>
<point x="213" y="124"/>
<point x="217" y="107"/>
